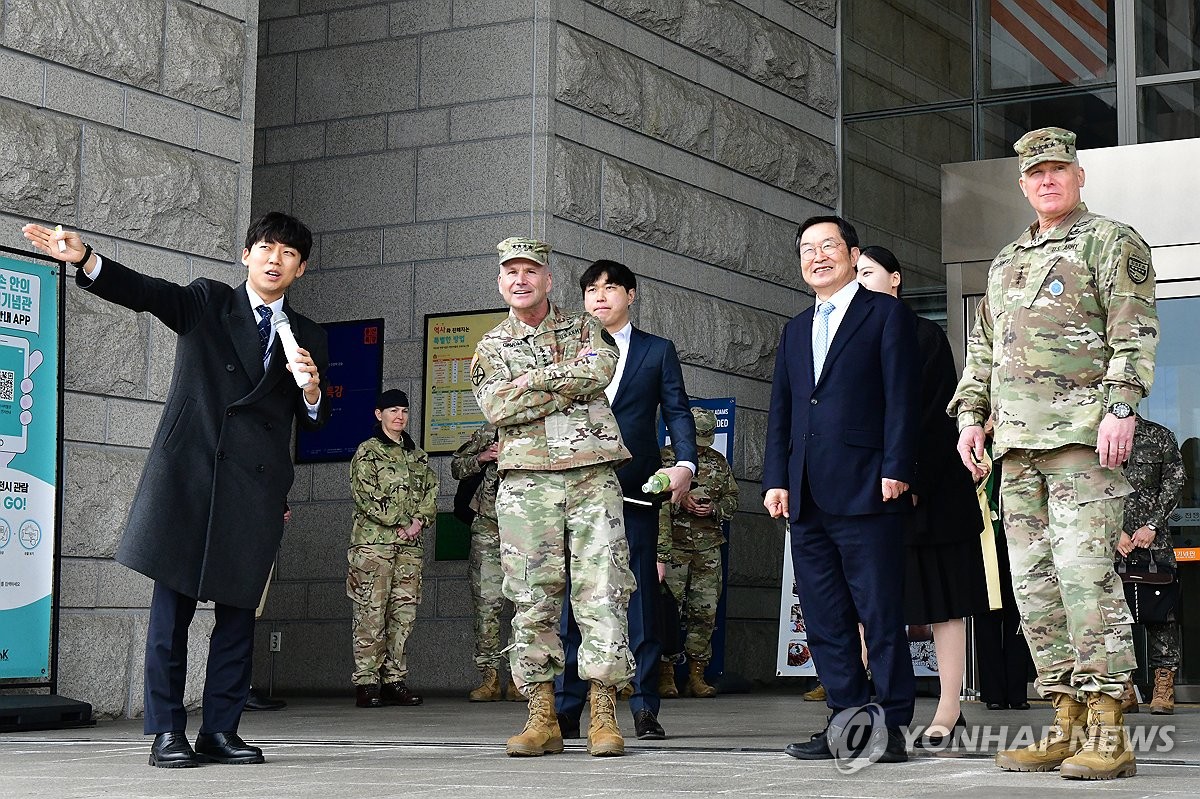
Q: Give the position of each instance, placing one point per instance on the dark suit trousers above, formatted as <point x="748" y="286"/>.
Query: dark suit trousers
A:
<point x="641" y="528"/>
<point x="227" y="677"/>
<point x="851" y="569"/>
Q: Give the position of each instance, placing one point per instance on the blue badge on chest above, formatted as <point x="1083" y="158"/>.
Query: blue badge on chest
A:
<point x="1056" y="288"/>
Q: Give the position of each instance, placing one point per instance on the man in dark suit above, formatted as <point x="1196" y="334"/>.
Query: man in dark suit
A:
<point x="648" y="378"/>
<point x="207" y="517"/>
<point x="840" y="454"/>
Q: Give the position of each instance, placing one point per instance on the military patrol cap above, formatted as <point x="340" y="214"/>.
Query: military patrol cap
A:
<point x="706" y="426"/>
<point x="1045" y="144"/>
<point x="392" y="398"/>
<point x="530" y="249"/>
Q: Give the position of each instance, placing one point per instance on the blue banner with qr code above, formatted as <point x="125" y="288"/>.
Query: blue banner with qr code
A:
<point x="28" y="464"/>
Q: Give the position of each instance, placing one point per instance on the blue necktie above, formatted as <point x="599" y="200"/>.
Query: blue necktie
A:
<point x="821" y="339"/>
<point x="264" y="328"/>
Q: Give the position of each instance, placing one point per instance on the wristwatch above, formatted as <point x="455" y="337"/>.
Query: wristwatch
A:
<point x="1121" y="410"/>
<point x="1152" y="528"/>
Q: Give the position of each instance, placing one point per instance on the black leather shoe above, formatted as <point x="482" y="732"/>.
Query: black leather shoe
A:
<point x="397" y="693"/>
<point x="1019" y="706"/>
<point x="569" y="728"/>
<point x="227" y="748"/>
<point x="646" y="725"/>
<point x="895" y="751"/>
<point x="816" y="748"/>
<point x="257" y="700"/>
<point x="934" y="740"/>
<point x="172" y="750"/>
<point x="367" y="696"/>
<point x="996" y="706"/>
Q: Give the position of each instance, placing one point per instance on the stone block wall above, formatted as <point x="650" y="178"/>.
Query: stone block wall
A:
<point x="132" y="121"/>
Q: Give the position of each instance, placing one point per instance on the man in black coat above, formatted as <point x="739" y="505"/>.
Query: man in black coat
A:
<point x="207" y="517"/>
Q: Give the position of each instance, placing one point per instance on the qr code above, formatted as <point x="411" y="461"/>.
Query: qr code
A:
<point x="7" y="385"/>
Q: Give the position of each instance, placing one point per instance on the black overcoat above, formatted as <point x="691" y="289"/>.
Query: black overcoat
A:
<point x="207" y="517"/>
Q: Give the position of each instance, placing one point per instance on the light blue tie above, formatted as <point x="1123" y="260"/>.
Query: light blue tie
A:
<point x="821" y="339"/>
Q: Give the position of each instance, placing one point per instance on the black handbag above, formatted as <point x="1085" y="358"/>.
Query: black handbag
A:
<point x="669" y="629"/>
<point x="1150" y="588"/>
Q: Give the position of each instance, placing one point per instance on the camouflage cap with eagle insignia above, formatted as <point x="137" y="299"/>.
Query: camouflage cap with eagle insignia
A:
<point x="1045" y="144"/>
<point x="530" y="249"/>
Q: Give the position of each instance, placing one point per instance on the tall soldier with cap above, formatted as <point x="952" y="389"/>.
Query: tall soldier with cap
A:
<point x="1061" y="353"/>
<point x="539" y="376"/>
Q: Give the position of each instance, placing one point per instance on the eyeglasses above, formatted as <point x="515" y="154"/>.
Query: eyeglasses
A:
<point x="809" y="252"/>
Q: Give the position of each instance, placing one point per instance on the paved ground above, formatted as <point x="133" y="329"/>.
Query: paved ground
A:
<point x="731" y="745"/>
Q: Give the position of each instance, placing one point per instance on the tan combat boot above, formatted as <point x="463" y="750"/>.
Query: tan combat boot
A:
<point x="1107" y="754"/>
<point x="1064" y="738"/>
<point x="489" y="689"/>
<point x="666" y="681"/>
<point x="541" y="735"/>
<point x="604" y="736"/>
<point x="1163" y="701"/>
<point x="1129" y="703"/>
<point x="512" y="693"/>
<point x="696" y="686"/>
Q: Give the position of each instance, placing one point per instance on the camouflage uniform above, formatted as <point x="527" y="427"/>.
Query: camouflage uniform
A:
<point x="391" y="486"/>
<point x="484" y="571"/>
<point x="1155" y="470"/>
<point x="559" y="503"/>
<point x="690" y="545"/>
<point x="1067" y="328"/>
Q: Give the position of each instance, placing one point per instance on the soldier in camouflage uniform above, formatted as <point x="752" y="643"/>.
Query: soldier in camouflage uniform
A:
<point x="690" y="536"/>
<point x="479" y="454"/>
<point x="395" y="498"/>
<point x="539" y="376"/>
<point x="1155" y="470"/>
<point x="1061" y="353"/>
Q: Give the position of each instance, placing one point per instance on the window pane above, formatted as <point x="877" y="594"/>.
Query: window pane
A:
<point x="1169" y="112"/>
<point x="1029" y="44"/>
<point x="1092" y="116"/>
<point x="1168" y="36"/>
<point x="894" y="186"/>
<point x="899" y="53"/>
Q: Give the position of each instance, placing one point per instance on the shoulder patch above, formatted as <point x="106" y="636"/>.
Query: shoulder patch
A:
<point x="607" y="337"/>
<point x="1137" y="267"/>
<point x="476" y="370"/>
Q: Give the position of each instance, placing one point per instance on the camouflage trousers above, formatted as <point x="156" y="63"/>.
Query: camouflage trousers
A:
<point x="1162" y="641"/>
<point x="695" y="581"/>
<point x="487" y="592"/>
<point x="551" y="522"/>
<point x="1062" y="517"/>
<point x="384" y="582"/>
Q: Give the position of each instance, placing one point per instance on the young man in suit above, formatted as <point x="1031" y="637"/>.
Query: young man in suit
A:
<point x="648" y="378"/>
<point x="840" y="455"/>
<point x="207" y="517"/>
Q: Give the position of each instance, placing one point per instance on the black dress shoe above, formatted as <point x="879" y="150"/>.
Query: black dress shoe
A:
<point x="996" y="706"/>
<point x="1019" y="706"/>
<point x="257" y="700"/>
<point x="397" y="693"/>
<point x="227" y="748"/>
<point x="895" y="751"/>
<point x="367" y="696"/>
<point x="646" y="725"/>
<point x="937" y="740"/>
<point x="172" y="750"/>
<point x="816" y="748"/>
<point x="568" y="727"/>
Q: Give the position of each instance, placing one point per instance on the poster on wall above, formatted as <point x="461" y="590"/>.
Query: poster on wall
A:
<point x="28" y="464"/>
<point x="355" y="377"/>
<point x="449" y="411"/>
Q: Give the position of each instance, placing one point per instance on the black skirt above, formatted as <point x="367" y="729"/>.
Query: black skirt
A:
<point x="944" y="581"/>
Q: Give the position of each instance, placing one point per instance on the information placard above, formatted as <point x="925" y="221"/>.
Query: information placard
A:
<point x="449" y="412"/>
<point x="354" y="378"/>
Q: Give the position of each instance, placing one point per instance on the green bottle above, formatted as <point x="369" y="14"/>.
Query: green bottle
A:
<point x="658" y="483"/>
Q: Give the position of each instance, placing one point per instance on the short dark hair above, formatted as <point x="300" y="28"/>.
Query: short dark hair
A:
<point x="277" y="227"/>
<point x="885" y="258"/>
<point x="616" y="272"/>
<point x="849" y="234"/>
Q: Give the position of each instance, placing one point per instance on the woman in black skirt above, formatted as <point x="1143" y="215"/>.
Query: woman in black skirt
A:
<point x="944" y="580"/>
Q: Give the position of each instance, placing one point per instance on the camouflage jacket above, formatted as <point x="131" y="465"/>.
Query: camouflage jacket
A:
<point x="680" y="530"/>
<point x="1155" y="470"/>
<point x="1067" y="327"/>
<point x="390" y="486"/>
<point x="561" y="419"/>
<point x="466" y="463"/>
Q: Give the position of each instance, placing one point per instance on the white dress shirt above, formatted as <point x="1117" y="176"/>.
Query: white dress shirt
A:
<point x="841" y="301"/>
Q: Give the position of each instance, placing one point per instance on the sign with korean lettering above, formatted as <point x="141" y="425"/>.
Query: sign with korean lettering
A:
<point x="354" y="380"/>
<point x="28" y="464"/>
<point x="449" y="412"/>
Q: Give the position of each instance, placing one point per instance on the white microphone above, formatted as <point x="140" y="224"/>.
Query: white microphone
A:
<point x="283" y="329"/>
